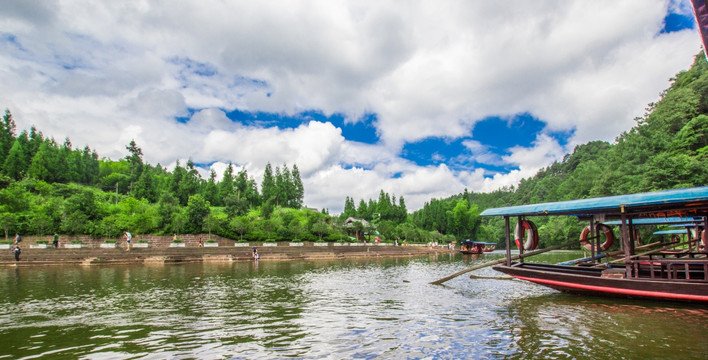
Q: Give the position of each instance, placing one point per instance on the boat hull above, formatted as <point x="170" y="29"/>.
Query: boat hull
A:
<point x="471" y="252"/>
<point x="589" y="281"/>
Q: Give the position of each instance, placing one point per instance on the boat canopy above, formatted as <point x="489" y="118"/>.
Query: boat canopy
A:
<point x="669" y="232"/>
<point x="688" y="221"/>
<point x="688" y="225"/>
<point x="651" y="203"/>
<point x="478" y="242"/>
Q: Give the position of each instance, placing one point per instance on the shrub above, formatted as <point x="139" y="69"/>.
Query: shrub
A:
<point x="42" y="242"/>
<point x="76" y="241"/>
<point x="110" y="241"/>
<point x="176" y="240"/>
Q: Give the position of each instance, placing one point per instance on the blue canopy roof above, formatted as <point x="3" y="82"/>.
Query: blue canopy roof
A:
<point x="690" y="225"/>
<point x="659" y="221"/>
<point x="651" y="201"/>
<point x="667" y="232"/>
<point x="478" y="242"/>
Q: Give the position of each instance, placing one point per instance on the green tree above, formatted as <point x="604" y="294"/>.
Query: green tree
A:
<point x="7" y="135"/>
<point x="135" y="158"/>
<point x="281" y="188"/>
<point x="226" y="186"/>
<point x="45" y="165"/>
<point x="197" y="210"/>
<point x="211" y="222"/>
<point x="190" y="181"/>
<point x="240" y="225"/>
<point x="211" y="191"/>
<point x="321" y="228"/>
<point x="267" y="208"/>
<point x="7" y="221"/>
<point x="362" y="211"/>
<point x="402" y="211"/>
<point x="268" y="189"/>
<point x="67" y="163"/>
<point x="15" y="164"/>
<point x="167" y="207"/>
<point x="145" y="187"/>
<point x="298" y="190"/>
<point x="349" y="208"/>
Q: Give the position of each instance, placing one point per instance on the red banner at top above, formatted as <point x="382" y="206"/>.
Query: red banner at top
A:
<point x="700" y="11"/>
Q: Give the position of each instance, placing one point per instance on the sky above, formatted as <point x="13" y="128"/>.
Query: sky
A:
<point x="421" y="99"/>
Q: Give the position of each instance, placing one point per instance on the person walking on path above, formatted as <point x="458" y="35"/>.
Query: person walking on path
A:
<point x="17" y="251"/>
<point x="128" y="236"/>
<point x="201" y="244"/>
<point x="55" y="242"/>
<point x="18" y="238"/>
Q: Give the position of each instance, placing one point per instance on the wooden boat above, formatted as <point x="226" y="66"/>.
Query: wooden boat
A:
<point x="476" y="247"/>
<point x="680" y="276"/>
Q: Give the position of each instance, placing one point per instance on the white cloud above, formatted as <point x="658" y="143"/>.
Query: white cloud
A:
<point x="545" y="150"/>
<point x="103" y="73"/>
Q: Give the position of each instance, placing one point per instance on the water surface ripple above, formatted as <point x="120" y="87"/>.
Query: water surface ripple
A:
<point x="359" y="309"/>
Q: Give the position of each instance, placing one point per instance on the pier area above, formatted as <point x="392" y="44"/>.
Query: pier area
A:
<point x="162" y="249"/>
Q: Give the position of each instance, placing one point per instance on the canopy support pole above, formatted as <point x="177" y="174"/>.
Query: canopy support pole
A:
<point x="508" y="241"/>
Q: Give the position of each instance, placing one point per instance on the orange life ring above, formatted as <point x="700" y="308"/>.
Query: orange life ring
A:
<point x="609" y="236"/>
<point x="527" y="229"/>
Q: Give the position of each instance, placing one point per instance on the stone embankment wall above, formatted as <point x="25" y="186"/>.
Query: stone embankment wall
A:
<point x="166" y="241"/>
<point x="154" y="241"/>
<point x="162" y="250"/>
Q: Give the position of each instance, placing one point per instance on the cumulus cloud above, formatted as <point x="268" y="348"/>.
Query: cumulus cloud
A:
<point x="167" y="74"/>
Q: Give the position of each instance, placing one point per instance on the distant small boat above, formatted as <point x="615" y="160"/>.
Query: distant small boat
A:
<point x="476" y="247"/>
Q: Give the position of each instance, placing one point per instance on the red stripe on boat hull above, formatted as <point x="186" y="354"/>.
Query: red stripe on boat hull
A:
<point x="612" y="290"/>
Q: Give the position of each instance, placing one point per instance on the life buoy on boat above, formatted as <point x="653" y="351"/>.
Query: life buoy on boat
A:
<point x="526" y="229"/>
<point x="609" y="236"/>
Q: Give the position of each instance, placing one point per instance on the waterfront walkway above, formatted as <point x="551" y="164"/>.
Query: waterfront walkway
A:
<point x="161" y="249"/>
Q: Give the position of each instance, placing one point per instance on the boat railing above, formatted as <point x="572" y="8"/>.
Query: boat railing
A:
<point x="671" y="269"/>
<point x="678" y="255"/>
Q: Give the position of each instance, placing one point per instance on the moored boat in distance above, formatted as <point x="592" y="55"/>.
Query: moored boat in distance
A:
<point x="476" y="247"/>
<point x="636" y="271"/>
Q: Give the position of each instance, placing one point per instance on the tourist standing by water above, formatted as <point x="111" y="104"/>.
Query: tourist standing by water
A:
<point x="18" y="238"/>
<point x="255" y="253"/>
<point x="17" y="251"/>
<point x="55" y="242"/>
<point x="128" y="236"/>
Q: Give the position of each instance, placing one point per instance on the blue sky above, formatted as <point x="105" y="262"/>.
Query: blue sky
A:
<point x="421" y="101"/>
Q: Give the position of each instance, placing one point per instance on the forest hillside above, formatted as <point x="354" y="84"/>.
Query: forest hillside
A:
<point x="666" y="149"/>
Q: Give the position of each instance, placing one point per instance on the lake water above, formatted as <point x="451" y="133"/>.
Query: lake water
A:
<point x="352" y="309"/>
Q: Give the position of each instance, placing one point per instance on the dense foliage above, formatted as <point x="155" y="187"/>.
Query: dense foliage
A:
<point x="47" y="188"/>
